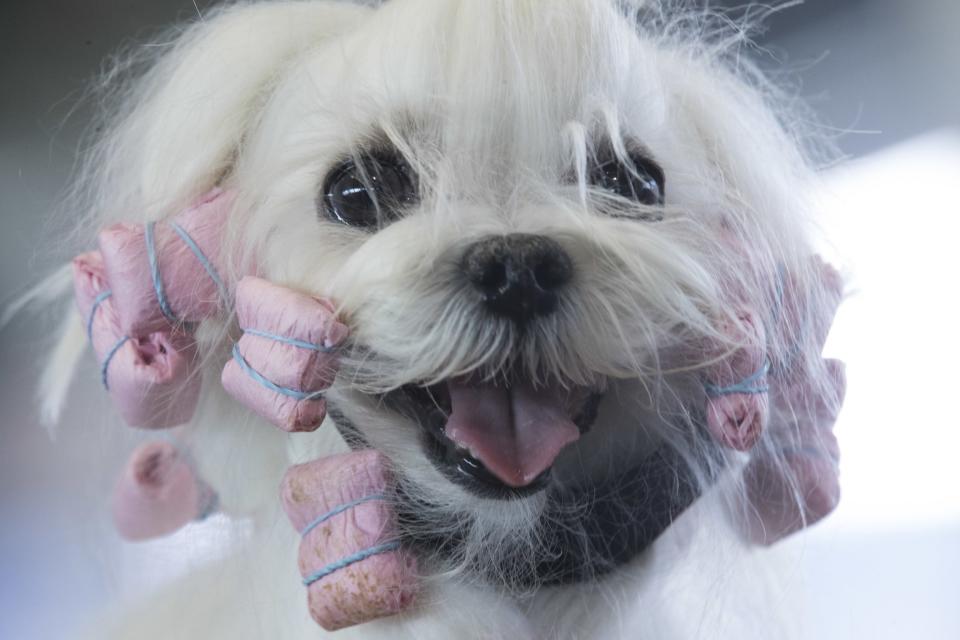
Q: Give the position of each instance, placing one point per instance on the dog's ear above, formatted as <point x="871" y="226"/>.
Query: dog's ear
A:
<point x="181" y="128"/>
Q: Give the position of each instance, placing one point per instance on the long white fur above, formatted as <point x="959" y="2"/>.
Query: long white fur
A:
<point x="500" y="105"/>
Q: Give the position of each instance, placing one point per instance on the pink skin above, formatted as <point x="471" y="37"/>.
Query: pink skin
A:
<point x="189" y="290"/>
<point x="152" y="379"/>
<point x="266" y="307"/>
<point x="379" y="585"/>
<point x="802" y="486"/>
<point x="157" y="493"/>
<point x="737" y="420"/>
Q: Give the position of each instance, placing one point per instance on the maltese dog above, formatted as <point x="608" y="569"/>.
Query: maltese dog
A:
<point x="529" y="287"/>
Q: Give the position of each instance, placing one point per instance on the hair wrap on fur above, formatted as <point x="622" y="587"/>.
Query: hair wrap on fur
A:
<point x="285" y="357"/>
<point x="737" y="388"/>
<point x="352" y="564"/>
<point x="159" y="492"/>
<point x="793" y="483"/>
<point x="167" y="275"/>
<point x="152" y="378"/>
<point x="141" y="295"/>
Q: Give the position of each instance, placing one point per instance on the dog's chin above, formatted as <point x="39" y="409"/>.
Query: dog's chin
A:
<point x="480" y="463"/>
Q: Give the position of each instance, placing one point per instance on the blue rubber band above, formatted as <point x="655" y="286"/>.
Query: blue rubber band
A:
<point x="349" y="560"/>
<point x="744" y="386"/>
<point x="253" y="373"/>
<point x="106" y="361"/>
<point x="103" y="295"/>
<point x="292" y="341"/>
<point x="155" y="273"/>
<point x="809" y="451"/>
<point x="344" y="507"/>
<point x="211" y="506"/>
<point x="202" y="259"/>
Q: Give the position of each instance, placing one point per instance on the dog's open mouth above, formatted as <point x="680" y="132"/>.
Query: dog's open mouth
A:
<point x="499" y="439"/>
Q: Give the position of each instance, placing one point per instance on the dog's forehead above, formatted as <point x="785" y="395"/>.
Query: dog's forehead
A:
<point x="515" y="71"/>
<point x="485" y="94"/>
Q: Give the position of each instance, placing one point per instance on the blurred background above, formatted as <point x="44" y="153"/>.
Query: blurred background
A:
<point x="884" y="77"/>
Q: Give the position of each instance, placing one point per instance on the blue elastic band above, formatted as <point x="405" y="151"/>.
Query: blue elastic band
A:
<point x="292" y="341"/>
<point x="329" y="514"/>
<point x="155" y="274"/>
<point x="808" y="451"/>
<point x="103" y="295"/>
<point x="349" y="560"/>
<point x="253" y="373"/>
<point x="202" y="259"/>
<point x="744" y="386"/>
<point x="106" y="361"/>
<point x="211" y="506"/>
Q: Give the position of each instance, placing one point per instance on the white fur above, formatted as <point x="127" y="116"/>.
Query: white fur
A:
<point x="499" y="105"/>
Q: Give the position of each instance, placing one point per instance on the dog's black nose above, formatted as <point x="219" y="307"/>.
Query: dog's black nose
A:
<point x="518" y="274"/>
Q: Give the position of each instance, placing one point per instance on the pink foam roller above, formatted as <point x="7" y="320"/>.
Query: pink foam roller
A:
<point x="152" y="379"/>
<point x="800" y="485"/>
<point x="805" y="317"/>
<point x="184" y="284"/>
<point x="285" y="357"/>
<point x="737" y="420"/>
<point x="158" y="493"/>
<point x="737" y="400"/>
<point x="352" y="565"/>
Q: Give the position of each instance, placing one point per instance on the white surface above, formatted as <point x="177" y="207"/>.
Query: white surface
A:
<point x="895" y="219"/>
<point x="886" y="564"/>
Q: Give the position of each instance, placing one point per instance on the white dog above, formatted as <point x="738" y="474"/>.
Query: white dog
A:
<point x="552" y="211"/>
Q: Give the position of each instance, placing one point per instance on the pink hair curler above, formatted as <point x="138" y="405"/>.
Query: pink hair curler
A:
<point x="796" y="483"/>
<point x="158" y="493"/>
<point x="286" y="356"/>
<point x="167" y="274"/>
<point x="351" y="562"/>
<point x="802" y="317"/>
<point x="152" y="379"/>
<point x="737" y="401"/>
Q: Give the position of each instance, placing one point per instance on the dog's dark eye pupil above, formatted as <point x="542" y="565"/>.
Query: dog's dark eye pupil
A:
<point x="367" y="193"/>
<point x="643" y="183"/>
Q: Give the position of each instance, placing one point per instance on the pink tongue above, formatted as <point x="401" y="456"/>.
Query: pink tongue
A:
<point x="516" y="433"/>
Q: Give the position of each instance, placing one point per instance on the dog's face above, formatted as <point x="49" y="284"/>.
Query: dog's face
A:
<point x="525" y="216"/>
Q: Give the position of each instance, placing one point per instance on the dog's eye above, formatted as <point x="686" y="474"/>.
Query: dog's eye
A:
<point x="643" y="183"/>
<point x="368" y="193"/>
